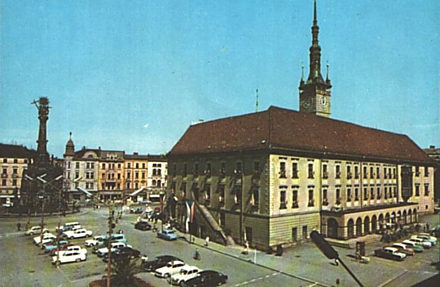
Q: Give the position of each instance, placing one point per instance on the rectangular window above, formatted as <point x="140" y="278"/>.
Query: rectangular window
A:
<point x="371" y="172"/>
<point x="372" y="193"/>
<point x="385" y="175"/>
<point x="295" y="234"/>
<point x="377" y="172"/>
<point x="295" y="199"/>
<point x="324" y="171"/>
<point x="255" y="196"/>
<point x="349" y="174"/>
<point x="338" y="171"/>
<point x="14" y="183"/>
<point x="294" y="170"/>
<point x="379" y="194"/>
<point x="385" y="192"/>
<point x="426" y="189"/>
<point x="417" y="171"/>
<point x="356" y="194"/>
<point x="305" y="233"/>
<point x="426" y="171"/>
<point x="311" y="173"/>
<point x="238" y="169"/>
<point x="282" y="170"/>
<point x="348" y="194"/>
<point x="196" y="170"/>
<point x="338" y="196"/>
<point x="137" y="165"/>
<point x="256" y="167"/>
<point x="3" y="182"/>
<point x="365" y="175"/>
<point x="222" y="169"/>
<point x="129" y="165"/>
<point x="311" y="199"/>
<point x="283" y="202"/>
<point x="324" y="197"/>
<point x="417" y="190"/>
<point x="356" y="172"/>
<point x="365" y="193"/>
<point x="77" y="165"/>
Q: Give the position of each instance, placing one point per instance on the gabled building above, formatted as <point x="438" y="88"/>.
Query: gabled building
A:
<point x="272" y="177"/>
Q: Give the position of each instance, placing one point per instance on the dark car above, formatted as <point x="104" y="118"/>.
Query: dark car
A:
<point x="158" y="262"/>
<point x="124" y="251"/>
<point x="390" y="253"/>
<point x="142" y="225"/>
<point x="136" y="210"/>
<point x="207" y="278"/>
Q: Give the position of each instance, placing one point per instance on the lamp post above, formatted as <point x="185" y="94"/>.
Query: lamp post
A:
<point x="45" y="183"/>
<point x="111" y="225"/>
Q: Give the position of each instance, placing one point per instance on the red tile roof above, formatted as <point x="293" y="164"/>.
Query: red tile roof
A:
<point x="288" y="130"/>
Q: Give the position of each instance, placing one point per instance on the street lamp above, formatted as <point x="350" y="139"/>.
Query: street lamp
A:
<point x="111" y="225"/>
<point x="40" y="178"/>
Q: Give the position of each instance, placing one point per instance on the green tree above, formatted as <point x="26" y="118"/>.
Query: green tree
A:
<point x="123" y="269"/>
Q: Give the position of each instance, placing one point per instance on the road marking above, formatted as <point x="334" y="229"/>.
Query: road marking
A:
<point x="256" y="279"/>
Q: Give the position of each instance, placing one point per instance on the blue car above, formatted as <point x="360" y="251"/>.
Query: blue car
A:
<point x="53" y="245"/>
<point x="167" y="234"/>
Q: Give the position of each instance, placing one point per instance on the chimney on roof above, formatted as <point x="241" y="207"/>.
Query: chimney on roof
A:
<point x="135" y="153"/>
<point x="432" y="146"/>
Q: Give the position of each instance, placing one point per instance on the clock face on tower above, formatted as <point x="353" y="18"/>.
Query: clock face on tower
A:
<point x="306" y="104"/>
<point x="323" y="101"/>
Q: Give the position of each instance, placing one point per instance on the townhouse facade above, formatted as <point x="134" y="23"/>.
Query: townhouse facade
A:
<point x="14" y="160"/>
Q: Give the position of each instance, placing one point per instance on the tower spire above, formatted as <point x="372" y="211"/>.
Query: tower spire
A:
<point x="315" y="51"/>
<point x="315" y="91"/>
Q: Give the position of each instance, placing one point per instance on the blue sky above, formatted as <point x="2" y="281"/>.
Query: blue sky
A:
<point x="133" y="75"/>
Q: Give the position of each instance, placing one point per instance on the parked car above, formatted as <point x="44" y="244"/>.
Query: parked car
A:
<point x="207" y="278"/>
<point x="96" y="240"/>
<point x="137" y="210"/>
<point x="167" y="234"/>
<point x="72" y="248"/>
<point x="35" y="230"/>
<point x="142" y="225"/>
<point x="421" y="242"/>
<point x="170" y="269"/>
<point x="187" y="272"/>
<point x="403" y="248"/>
<point x="427" y="237"/>
<point x="79" y="233"/>
<point x="114" y="246"/>
<point x="123" y="251"/>
<point x="69" y="256"/>
<point x="390" y="253"/>
<point x="417" y="248"/>
<point x="47" y="237"/>
<point x="158" y="262"/>
<point x="54" y="245"/>
<point x="64" y="247"/>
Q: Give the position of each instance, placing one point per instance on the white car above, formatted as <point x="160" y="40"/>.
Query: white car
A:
<point x="170" y="269"/>
<point x="427" y="237"/>
<point x="76" y="248"/>
<point x="47" y="237"/>
<point x="80" y="233"/>
<point x="96" y="240"/>
<point x="421" y="242"/>
<point x="186" y="273"/>
<point x="69" y="256"/>
<point x="35" y="230"/>
<point x="115" y="245"/>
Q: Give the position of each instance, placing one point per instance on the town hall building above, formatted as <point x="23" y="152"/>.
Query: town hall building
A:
<point x="272" y="177"/>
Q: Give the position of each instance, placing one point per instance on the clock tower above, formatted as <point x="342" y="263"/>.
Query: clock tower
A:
<point x="314" y="94"/>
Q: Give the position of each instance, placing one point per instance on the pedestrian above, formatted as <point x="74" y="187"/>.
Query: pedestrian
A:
<point x="18" y="226"/>
<point x="207" y="241"/>
<point x="246" y="248"/>
<point x="427" y="227"/>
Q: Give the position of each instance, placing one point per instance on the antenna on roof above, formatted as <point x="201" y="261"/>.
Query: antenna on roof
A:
<point x="256" y="100"/>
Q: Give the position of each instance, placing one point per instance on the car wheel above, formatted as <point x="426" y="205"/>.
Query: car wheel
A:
<point x="31" y="233"/>
<point x="182" y="283"/>
<point x="166" y="275"/>
<point x="78" y="260"/>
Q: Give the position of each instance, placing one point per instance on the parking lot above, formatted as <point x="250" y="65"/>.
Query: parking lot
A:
<point x="24" y="264"/>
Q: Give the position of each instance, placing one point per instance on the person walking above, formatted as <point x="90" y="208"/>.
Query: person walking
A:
<point x="207" y="241"/>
